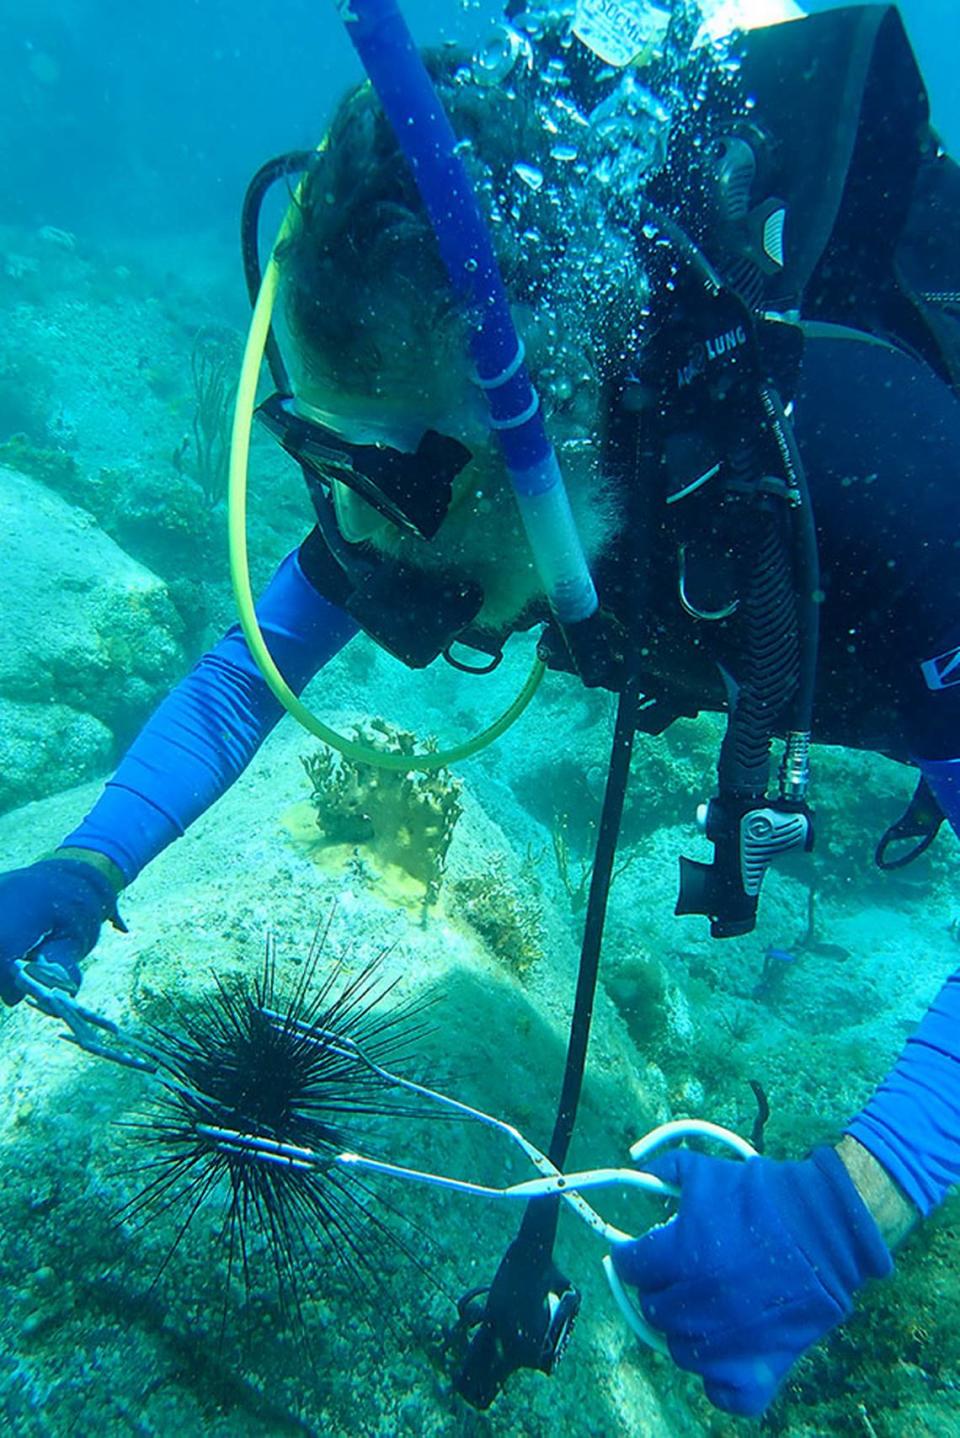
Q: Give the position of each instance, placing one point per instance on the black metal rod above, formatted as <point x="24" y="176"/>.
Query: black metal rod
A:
<point x="539" y="1224"/>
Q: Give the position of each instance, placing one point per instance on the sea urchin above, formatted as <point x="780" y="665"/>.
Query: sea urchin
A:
<point x="286" y="1068"/>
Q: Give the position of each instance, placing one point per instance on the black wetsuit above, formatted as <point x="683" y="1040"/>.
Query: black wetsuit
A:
<point x="880" y="438"/>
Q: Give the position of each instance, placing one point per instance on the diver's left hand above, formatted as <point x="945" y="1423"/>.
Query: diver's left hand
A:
<point x="760" y="1261"/>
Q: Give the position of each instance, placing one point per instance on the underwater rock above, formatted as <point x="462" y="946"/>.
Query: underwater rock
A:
<point x="47" y="747"/>
<point x="638" y="987"/>
<point x="92" y="642"/>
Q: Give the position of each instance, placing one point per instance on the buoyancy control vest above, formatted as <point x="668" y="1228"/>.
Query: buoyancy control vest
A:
<point x="849" y="216"/>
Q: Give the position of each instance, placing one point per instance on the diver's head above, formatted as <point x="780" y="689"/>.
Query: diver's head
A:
<point x="381" y="345"/>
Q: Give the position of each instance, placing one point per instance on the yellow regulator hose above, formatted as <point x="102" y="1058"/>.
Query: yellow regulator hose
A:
<point x="240" y="570"/>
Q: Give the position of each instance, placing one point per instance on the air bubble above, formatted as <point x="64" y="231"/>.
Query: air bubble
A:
<point x="529" y="174"/>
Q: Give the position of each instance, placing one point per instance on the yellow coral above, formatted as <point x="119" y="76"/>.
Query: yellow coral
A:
<point x="404" y="819"/>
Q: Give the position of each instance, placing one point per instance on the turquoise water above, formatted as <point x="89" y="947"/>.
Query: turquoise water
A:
<point x="127" y="136"/>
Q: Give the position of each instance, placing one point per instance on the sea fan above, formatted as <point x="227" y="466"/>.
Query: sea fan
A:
<point x="289" y="1069"/>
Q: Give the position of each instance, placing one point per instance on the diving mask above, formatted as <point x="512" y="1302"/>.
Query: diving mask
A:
<point x="411" y="489"/>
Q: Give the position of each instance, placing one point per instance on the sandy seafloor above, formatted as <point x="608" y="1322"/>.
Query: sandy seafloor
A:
<point x="90" y="1344"/>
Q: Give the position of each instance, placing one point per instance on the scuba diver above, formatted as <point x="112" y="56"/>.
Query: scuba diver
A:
<point x="743" y="335"/>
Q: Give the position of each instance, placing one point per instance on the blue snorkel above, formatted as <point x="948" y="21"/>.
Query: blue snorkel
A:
<point x="397" y="73"/>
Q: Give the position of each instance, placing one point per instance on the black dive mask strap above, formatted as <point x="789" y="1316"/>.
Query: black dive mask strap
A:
<point x="282" y="167"/>
<point x="411" y="490"/>
<point x="530" y="1305"/>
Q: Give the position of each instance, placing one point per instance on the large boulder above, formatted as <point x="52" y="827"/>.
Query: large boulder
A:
<point x="47" y="747"/>
<point x="88" y="644"/>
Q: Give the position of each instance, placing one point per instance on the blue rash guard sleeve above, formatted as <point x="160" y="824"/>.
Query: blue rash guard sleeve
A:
<point x="911" y="1125"/>
<point x="208" y="729"/>
<point x="943" y="777"/>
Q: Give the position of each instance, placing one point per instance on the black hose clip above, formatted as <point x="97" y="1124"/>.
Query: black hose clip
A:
<point x="747" y="835"/>
<point x="525" y="1322"/>
<point x="920" y="823"/>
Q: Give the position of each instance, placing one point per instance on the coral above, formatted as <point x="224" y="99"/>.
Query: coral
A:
<point x="96" y="644"/>
<point x="510" y="922"/>
<point x="566" y="790"/>
<point x="897" y="1359"/>
<point x="156" y="523"/>
<point x="776" y="965"/>
<point x="62" y="239"/>
<point x="405" y="819"/>
<point x="576" y="884"/>
<point x="17" y="267"/>
<point x="47" y="746"/>
<point x="214" y="363"/>
<point x="26" y="396"/>
<point x="576" y="873"/>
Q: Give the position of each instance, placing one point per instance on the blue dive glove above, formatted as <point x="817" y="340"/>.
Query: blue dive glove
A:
<point x="760" y="1261"/>
<point x="911" y="1125"/>
<point x="51" y="915"/>
<point x="209" y="728"/>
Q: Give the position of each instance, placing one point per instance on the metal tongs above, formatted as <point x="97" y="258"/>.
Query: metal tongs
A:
<point x="90" y="1031"/>
<point x="552" y="1183"/>
<point x="99" y="1036"/>
<point x="103" y="1038"/>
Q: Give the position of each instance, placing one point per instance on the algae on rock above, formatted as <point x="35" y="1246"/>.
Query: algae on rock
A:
<point x="509" y="921"/>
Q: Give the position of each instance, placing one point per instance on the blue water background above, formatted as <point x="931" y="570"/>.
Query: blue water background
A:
<point x="136" y="121"/>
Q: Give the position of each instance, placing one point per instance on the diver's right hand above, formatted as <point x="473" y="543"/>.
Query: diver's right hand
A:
<point x="761" y="1259"/>
<point x="51" y="914"/>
